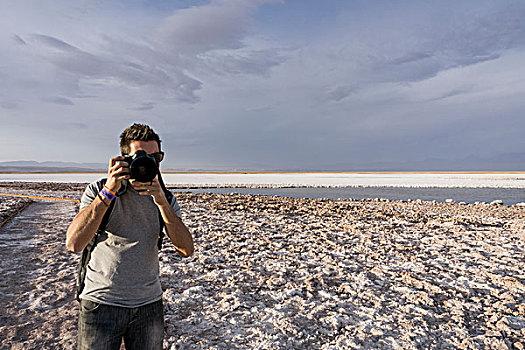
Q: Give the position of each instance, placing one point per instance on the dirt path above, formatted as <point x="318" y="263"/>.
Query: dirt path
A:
<point x="38" y="310"/>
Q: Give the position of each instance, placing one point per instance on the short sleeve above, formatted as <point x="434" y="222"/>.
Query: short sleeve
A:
<point x="90" y="193"/>
<point x="176" y="207"/>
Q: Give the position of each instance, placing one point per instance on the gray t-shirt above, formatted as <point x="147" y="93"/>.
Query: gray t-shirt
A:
<point x="124" y="266"/>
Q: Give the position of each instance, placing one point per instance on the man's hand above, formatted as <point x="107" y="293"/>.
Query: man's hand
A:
<point x="153" y="189"/>
<point x="178" y="233"/>
<point x="118" y="171"/>
<point x="85" y="224"/>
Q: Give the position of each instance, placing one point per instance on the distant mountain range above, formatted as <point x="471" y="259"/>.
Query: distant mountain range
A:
<point x="33" y="166"/>
<point x="57" y="167"/>
<point x="503" y="162"/>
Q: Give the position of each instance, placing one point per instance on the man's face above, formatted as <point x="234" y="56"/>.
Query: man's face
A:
<point x="149" y="147"/>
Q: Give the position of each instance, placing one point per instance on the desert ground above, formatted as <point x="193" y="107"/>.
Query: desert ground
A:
<point x="282" y="273"/>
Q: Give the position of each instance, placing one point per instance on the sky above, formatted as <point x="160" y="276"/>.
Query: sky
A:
<point x="264" y="85"/>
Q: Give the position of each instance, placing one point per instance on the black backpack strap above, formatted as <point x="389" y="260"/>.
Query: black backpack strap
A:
<point x="161" y="232"/>
<point x="86" y="253"/>
<point x="169" y="197"/>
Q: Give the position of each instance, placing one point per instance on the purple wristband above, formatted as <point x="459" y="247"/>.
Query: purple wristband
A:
<point x="108" y="195"/>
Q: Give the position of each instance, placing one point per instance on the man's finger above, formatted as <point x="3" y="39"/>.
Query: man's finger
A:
<point x="113" y="160"/>
<point x="123" y="177"/>
<point x="121" y="164"/>
<point x="121" y="170"/>
<point x="117" y="169"/>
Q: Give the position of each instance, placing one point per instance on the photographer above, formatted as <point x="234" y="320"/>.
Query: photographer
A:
<point x="121" y="296"/>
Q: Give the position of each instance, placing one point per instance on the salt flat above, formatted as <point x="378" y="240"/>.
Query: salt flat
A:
<point x="280" y="273"/>
<point x="511" y="180"/>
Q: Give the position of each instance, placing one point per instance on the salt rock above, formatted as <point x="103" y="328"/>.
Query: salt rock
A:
<point x="513" y="322"/>
<point x="376" y="332"/>
<point x="325" y="294"/>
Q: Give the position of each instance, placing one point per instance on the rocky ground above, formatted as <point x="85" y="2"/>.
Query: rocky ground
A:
<point x="278" y="273"/>
<point x="11" y="206"/>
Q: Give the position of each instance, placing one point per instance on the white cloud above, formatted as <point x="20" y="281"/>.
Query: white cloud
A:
<point x="412" y="46"/>
<point x="201" y="29"/>
<point x="146" y="106"/>
<point x="167" y="63"/>
<point x="61" y="101"/>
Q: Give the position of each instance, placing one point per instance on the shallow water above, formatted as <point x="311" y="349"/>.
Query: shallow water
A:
<point x="509" y="196"/>
<point x="469" y="188"/>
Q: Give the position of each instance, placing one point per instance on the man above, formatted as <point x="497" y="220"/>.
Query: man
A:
<point x="122" y="296"/>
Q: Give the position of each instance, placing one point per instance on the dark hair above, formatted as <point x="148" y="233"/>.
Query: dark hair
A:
<point x="137" y="132"/>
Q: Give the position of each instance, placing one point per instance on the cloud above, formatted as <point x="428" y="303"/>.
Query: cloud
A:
<point x="110" y="69"/>
<point x="9" y="104"/>
<point x="169" y="61"/>
<point x="18" y="40"/>
<point x="211" y="39"/>
<point x="76" y="125"/>
<point x="257" y="62"/>
<point x="452" y="93"/>
<point x="201" y="29"/>
<point x="339" y="93"/>
<point x="369" y="48"/>
<point x="146" y="106"/>
<point x="411" y="57"/>
<point x="73" y="67"/>
<point x="61" y="101"/>
<point x="259" y="109"/>
<point x="218" y="25"/>
<point x="51" y="42"/>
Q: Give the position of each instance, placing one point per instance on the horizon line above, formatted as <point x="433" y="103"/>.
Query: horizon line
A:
<point x="292" y="172"/>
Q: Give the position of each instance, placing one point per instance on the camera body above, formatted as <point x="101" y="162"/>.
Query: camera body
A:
<point x="142" y="166"/>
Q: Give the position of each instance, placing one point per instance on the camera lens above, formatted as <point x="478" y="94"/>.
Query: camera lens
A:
<point x="143" y="168"/>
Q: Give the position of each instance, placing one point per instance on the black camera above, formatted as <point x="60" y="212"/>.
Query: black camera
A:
<point x="142" y="166"/>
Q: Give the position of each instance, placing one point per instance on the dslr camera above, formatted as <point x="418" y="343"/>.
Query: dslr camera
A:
<point x="142" y="166"/>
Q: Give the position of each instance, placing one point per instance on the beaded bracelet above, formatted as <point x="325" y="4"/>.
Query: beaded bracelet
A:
<point x="108" y="195"/>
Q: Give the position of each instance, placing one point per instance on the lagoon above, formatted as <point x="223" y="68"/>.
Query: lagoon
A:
<point x="461" y="187"/>
<point x="509" y="196"/>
